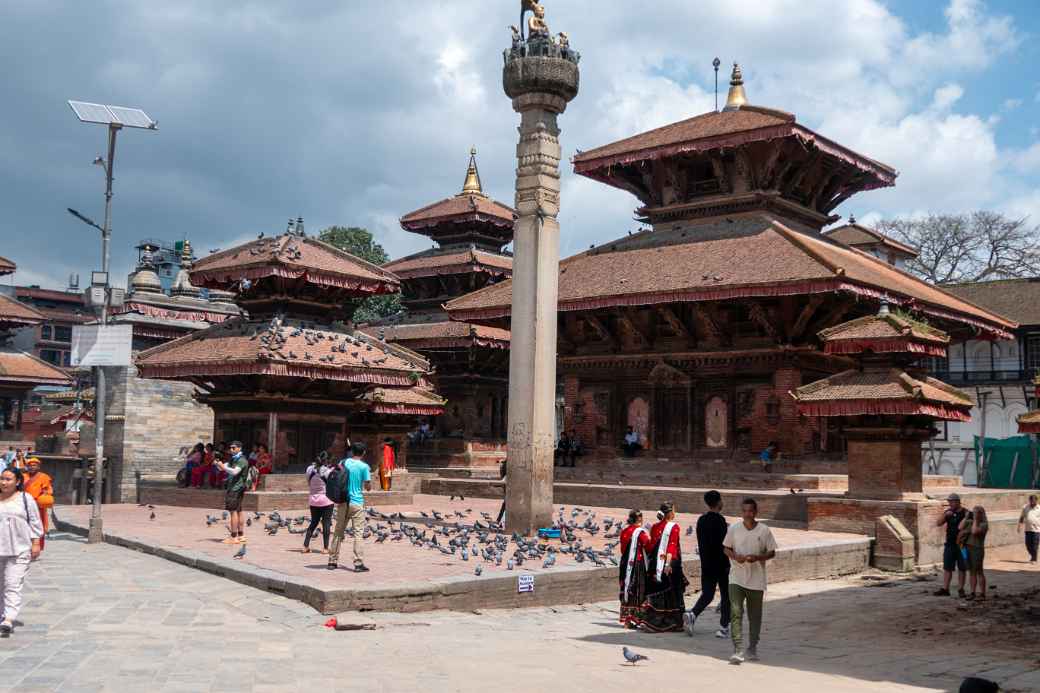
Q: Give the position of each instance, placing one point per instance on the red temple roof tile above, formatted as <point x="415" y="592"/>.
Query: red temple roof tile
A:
<point x="412" y="401"/>
<point x="884" y="391"/>
<point x="283" y="347"/>
<point x="292" y="257"/>
<point x="447" y="333"/>
<point x="19" y="369"/>
<point x="749" y="255"/>
<point x="715" y="130"/>
<point x="884" y="333"/>
<point x="471" y="207"/>
<point x="14" y="312"/>
<point x="428" y="264"/>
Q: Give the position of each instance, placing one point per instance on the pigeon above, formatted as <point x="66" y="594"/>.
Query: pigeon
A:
<point x="224" y="516"/>
<point x="152" y="516"/>
<point x="689" y="530"/>
<point x="632" y="657"/>
<point x="241" y="552"/>
<point x="249" y="522"/>
<point x="548" y="563"/>
<point x="510" y="564"/>
<point x="478" y="570"/>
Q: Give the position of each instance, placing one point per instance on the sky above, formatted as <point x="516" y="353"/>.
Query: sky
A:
<point x="355" y="113"/>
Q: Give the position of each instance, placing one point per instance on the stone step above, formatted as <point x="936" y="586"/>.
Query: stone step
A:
<point x="461" y="472"/>
<point x="459" y="460"/>
<point x="158" y="493"/>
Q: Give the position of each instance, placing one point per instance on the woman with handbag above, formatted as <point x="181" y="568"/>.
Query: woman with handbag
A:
<point x="20" y="534"/>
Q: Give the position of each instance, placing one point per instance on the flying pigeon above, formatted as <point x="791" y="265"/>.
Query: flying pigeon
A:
<point x="632" y="657"/>
<point x="241" y="552"/>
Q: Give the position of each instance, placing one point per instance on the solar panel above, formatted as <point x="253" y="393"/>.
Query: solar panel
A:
<point x="108" y="115"/>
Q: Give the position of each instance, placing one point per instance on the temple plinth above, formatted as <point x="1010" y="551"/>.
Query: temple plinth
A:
<point x="541" y="77"/>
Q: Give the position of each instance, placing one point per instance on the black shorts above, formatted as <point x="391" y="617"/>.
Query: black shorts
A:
<point x="233" y="499"/>
<point x="952" y="557"/>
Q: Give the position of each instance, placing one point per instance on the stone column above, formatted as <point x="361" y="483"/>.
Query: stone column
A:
<point x="885" y="462"/>
<point x="540" y="78"/>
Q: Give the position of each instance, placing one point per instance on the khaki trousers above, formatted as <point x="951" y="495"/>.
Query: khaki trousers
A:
<point x="737" y="597"/>
<point x="354" y="516"/>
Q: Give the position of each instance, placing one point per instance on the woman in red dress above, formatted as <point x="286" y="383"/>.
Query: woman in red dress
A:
<point x="662" y="612"/>
<point x="263" y="463"/>
<point x="635" y="547"/>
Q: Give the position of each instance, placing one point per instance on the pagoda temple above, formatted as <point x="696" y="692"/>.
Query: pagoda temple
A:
<point x="295" y="374"/>
<point x="20" y="371"/>
<point x="694" y="331"/>
<point x="471" y="361"/>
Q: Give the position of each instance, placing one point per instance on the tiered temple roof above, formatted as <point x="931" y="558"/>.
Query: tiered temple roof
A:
<point x="865" y="238"/>
<point x="294" y="287"/>
<point x="20" y="370"/>
<point x="878" y="387"/>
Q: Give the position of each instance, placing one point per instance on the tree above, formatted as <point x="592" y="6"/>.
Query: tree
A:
<point x="360" y="243"/>
<point x="971" y="247"/>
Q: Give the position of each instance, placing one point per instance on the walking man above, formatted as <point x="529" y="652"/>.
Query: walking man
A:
<point x="1030" y="520"/>
<point x="711" y="531"/>
<point x="952" y="557"/>
<point x="358" y="480"/>
<point x="235" y="468"/>
<point x="748" y="544"/>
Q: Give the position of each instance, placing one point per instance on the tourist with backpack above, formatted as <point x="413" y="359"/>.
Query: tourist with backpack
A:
<point x="321" y="506"/>
<point x="345" y="486"/>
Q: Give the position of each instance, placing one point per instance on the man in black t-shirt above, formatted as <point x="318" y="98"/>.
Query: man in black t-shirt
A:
<point x="952" y="556"/>
<point x="711" y="530"/>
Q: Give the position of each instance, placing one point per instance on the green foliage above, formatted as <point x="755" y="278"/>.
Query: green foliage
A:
<point x="360" y="243"/>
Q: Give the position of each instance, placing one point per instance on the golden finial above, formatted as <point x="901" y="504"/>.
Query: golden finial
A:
<point x="186" y="254"/>
<point x="736" y="97"/>
<point x="472" y="185"/>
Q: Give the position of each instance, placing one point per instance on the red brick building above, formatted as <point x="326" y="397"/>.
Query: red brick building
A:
<point x="695" y="331"/>
<point x="470" y="361"/>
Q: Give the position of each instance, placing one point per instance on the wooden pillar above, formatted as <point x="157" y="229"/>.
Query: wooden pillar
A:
<point x="21" y="408"/>
<point x="272" y="436"/>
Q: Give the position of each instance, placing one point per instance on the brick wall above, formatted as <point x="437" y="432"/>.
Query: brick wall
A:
<point x="147" y="426"/>
<point x="884" y="468"/>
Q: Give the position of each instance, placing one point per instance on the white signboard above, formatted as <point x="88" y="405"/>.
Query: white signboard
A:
<point x="94" y="345"/>
<point x="525" y="583"/>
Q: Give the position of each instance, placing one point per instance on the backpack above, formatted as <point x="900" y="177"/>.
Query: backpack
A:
<point x="336" y="484"/>
<point x="252" y="474"/>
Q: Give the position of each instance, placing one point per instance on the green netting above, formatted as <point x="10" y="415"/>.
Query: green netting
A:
<point x="1009" y="463"/>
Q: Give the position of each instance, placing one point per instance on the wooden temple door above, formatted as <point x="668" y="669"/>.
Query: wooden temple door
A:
<point x="671" y="418"/>
<point x="638" y="417"/>
<point x="716" y="423"/>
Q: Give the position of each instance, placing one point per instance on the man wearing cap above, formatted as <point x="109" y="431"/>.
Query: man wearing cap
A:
<point x="952" y="556"/>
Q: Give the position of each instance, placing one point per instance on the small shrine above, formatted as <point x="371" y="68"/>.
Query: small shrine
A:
<point x="887" y="406"/>
<point x="295" y="374"/>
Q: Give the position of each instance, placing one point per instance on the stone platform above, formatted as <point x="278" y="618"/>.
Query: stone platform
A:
<point x="407" y="578"/>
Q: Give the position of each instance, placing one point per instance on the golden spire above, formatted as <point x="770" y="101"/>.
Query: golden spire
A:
<point x="472" y="184"/>
<point x="736" y="97"/>
<point x="186" y="254"/>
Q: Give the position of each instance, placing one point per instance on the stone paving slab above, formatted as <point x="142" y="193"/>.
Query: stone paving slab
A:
<point x="102" y="618"/>
<point x="404" y="577"/>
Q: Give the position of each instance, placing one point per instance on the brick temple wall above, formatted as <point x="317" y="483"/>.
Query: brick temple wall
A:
<point x="148" y="425"/>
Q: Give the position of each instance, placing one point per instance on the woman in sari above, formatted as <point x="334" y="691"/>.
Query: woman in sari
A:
<point x="635" y="547"/>
<point x="662" y="612"/>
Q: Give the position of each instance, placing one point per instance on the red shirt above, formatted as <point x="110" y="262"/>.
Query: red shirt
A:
<point x="673" y="540"/>
<point x="643" y="549"/>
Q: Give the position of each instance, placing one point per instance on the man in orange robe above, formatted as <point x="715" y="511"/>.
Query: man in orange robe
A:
<point x="39" y="486"/>
<point x="386" y="468"/>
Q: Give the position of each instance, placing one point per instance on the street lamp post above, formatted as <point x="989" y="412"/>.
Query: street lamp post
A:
<point x="115" y="117"/>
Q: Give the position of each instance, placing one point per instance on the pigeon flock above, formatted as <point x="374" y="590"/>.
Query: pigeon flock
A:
<point x="462" y="536"/>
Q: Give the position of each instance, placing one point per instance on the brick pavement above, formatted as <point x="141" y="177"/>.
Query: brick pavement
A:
<point x="102" y="618"/>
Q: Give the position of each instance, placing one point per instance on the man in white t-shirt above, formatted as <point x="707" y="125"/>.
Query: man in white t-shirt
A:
<point x="1030" y="521"/>
<point x="748" y="544"/>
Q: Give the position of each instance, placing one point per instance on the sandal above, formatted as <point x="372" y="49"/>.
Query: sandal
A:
<point x="970" y="597"/>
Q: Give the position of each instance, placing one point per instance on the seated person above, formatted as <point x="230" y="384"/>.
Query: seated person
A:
<point x="576" y="450"/>
<point x="769" y="455"/>
<point x="631" y="445"/>
<point x="563" y="449"/>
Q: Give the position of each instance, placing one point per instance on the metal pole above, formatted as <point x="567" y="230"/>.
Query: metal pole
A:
<point x="95" y="534"/>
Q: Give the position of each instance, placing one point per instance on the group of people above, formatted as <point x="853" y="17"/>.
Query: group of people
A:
<point x="964" y="548"/>
<point x="26" y="497"/>
<point x="200" y="468"/>
<point x="568" y="449"/>
<point x="733" y="563"/>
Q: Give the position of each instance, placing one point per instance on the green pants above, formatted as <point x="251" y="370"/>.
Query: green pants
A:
<point x="737" y="596"/>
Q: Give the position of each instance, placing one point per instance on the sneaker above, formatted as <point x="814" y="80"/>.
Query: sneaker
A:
<point x="688" y="619"/>
<point x="333" y="565"/>
<point x="722" y="633"/>
<point x="5" y="629"/>
<point x="752" y="654"/>
<point x="737" y="657"/>
<point x="941" y="592"/>
<point x="961" y="593"/>
<point x="360" y="568"/>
